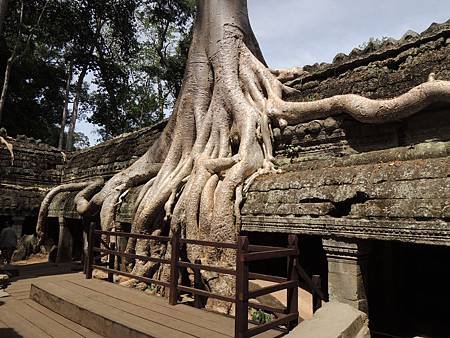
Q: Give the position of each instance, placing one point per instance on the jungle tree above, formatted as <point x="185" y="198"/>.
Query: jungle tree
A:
<point x="219" y="138"/>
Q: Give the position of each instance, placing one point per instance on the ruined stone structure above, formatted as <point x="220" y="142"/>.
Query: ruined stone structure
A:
<point x="371" y="202"/>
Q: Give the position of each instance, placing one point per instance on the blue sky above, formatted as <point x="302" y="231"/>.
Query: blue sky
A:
<point x="301" y="32"/>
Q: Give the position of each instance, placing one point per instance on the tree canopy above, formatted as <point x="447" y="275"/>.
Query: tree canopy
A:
<point x="123" y="60"/>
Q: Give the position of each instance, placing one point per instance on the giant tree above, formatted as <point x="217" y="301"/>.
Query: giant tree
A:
<point x="219" y="137"/>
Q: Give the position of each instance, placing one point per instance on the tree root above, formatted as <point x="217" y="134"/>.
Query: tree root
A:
<point x="9" y="146"/>
<point x="363" y="109"/>
<point x="43" y="210"/>
<point x="219" y="139"/>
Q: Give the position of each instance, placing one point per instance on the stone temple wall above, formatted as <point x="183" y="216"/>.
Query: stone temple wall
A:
<point x="345" y="178"/>
<point x="340" y="177"/>
<point x="37" y="168"/>
<point x="376" y="198"/>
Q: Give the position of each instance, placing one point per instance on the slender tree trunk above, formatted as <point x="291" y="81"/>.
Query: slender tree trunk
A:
<point x="8" y="70"/>
<point x="76" y="103"/>
<point x="161" y="100"/>
<point x="3" y="10"/>
<point x="65" y="109"/>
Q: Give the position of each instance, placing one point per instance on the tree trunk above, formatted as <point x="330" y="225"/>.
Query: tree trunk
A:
<point x="8" y="70"/>
<point x="3" y="10"/>
<point x="219" y="139"/>
<point x="76" y="103"/>
<point x="66" y="107"/>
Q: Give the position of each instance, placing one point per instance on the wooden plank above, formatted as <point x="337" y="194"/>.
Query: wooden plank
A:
<point x="264" y="327"/>
<point x="226" y="245"/>
<point x="127" y="234"/>
<point x="21" y="325"/>
<point x="263" y="255"/>
<point x="206" y="293"/>
<point x="126" y="274"/>
<point x="221" y="323"/>
<point x="133" y="256"/>
<point x="268" y="278"/>
<point x="103" y="319"/>
<point x="84" y="332"/>
<point x="46" y="324"/>
<point x="139" y="298"/>
<point x="145" y="314"/>
<point x="272" y="288"/>
<point x="217" y="269"/>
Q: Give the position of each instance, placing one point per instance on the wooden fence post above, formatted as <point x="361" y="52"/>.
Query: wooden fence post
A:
<point x="317" y="301"/>
<point x="111" y="262"/>
<point x="292" y="293"/>
<point x="174" y="271"/>
<point x="241" y="318"/>
<point x="90" y="253"/>
<point x="198" y="300"/>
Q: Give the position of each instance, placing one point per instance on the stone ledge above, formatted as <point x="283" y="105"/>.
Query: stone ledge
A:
<point x="424" y="232"/>
<point x="333" y="320"/>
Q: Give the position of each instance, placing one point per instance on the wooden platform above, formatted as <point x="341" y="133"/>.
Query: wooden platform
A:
<point x="22" y="317"/>
<point x="49" y="300"/>
<point x="115" y="311"/>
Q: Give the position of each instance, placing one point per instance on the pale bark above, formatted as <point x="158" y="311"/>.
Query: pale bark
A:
<point x="65" y="109"/>
<point x="76" y="103"/>
<point x="6" y="79"/>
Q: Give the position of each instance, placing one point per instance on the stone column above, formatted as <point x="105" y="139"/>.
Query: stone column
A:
<point x="347" y="271"/>
<point x="65" y="242"/>
<point x="17" y="224"/>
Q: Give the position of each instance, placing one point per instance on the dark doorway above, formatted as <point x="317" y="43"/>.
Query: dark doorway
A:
<point x="408" y="290"/>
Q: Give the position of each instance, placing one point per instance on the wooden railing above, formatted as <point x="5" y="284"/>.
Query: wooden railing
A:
<point x="245" y="253"/>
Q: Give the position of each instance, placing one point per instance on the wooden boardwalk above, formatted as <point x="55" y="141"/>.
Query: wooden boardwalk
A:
<point x="102" y="309"/>
<point x="22" y="317"/>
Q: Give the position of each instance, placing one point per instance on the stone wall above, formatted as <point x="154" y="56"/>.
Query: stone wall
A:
<point x="37" y="168"/>
<point x="344" y="178"/>
<point x="341" y="177"/>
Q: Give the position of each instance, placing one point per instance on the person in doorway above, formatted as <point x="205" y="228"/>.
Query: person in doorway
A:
<point x="8" y="243"/>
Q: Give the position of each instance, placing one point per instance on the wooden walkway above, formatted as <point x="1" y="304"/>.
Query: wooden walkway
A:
<point x="102" y="309"/>
<point x="22" y="317"/>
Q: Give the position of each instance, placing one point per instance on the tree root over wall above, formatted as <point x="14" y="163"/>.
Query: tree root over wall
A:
<point x="219" y="138"/>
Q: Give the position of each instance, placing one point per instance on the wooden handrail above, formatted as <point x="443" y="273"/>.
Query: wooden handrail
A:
<point x="204" y="293"/>
<point x="217" y="269"/>
<point x="128" y="234"/>
<point x="132" y="256"/>
<point x="126" y="274"/>
<point x="268" y="326"/>
<point x="272" y="288"/>
<point x="264" y="255"/>
<point x="245" y="253"/>
<point x="224" y="245"/>
<point x="268" y="278"/>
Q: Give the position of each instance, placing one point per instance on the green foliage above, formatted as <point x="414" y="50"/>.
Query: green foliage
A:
<point x="81" y="141"/>
<point x="146" y="85"/>
<point x="34" y="99"/>
<point x="261" y="317"/>
<point x="132" y="53"/>
<point x="373" y="43"/>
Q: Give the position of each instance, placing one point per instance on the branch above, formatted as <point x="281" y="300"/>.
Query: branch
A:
<point x="9" y="146"/>
<point x="363" y="109"/>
